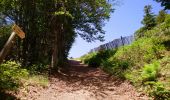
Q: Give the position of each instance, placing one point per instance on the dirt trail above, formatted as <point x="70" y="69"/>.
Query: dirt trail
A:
<point x="85" y="83"/>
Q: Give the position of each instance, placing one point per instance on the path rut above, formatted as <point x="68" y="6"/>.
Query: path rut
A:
<point x="85" y="83"/>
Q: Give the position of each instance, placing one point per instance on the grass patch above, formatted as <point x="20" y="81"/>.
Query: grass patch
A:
<point x="41" y="80"/>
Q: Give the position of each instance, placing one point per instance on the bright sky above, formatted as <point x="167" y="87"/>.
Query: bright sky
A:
<point x="123" y="22"/>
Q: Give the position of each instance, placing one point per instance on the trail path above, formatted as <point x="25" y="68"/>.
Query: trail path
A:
<point x="85" y="83"/>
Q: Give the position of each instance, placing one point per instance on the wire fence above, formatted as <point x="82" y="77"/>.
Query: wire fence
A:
<point x="115" y="43"/>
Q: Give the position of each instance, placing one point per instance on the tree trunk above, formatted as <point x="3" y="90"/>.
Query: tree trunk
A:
<point x="58" y="51"/>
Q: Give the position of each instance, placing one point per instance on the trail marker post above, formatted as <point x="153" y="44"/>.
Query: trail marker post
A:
<point x="16" y="30"/>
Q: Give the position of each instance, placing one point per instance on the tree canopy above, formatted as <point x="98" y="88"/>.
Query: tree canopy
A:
<point x="161" y="16"/>
<point x="51" y="26"/>
<point x="149" y="21"/>
<point x="149" y="18"/>
<point x="164" y="3"/>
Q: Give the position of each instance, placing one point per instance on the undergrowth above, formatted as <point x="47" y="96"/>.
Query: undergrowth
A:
<point x="145" y="63"/>
<point x="13" y="76"/>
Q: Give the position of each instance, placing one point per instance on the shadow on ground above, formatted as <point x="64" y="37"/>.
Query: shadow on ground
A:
<point x="80" y="76"/>
<point x="7" y="96"/>
<point x="80" y="82"/>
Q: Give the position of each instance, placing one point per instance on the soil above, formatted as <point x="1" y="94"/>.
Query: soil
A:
<point x="81" y="82"/>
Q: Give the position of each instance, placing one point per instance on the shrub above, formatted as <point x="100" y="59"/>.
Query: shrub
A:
<point x="96" y="59"/>
<point x="38" y="68"/>
<point x="157" y="90"/>
<point x="150" y="72"/>
<point x="100" y="57"/>
<point x="11" y="74"/>
<point x="86" y="58"/>
<point x="115" y="66"/>
<point x="142" y="51"/>
<point x="105" y="54"/>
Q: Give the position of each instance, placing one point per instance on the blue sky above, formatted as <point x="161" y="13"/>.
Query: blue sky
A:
<point x="123" y="22"/>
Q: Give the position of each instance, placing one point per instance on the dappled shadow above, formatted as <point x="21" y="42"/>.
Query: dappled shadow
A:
<point x="80" y="82"/>
<point x="7" y="96"/>
<point x="80" y="76"/>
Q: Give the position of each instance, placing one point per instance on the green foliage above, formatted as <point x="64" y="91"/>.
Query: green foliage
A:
<point x="146" y="61"/>
<point x="150" y="72"/>
<point x="39" y="80"/>
<point x="86" y="58"/>
<point x="4" y="35"/>
<point x="164" y="3"/>
<point x="38" y="69"/>
<point x="133" y="75"/>
<point x="59" y="13"/>
<point x="147" y="78"/>
<point x="96" y="59"/>
<point x="115" y="66"/>
<point x="140" y="33"/>
<point x="140" y="52"/>
<point x="157" y="90"/>
<point x="167" y="20"/>
<point x="161" y="17"/>
<point x="149" y="18"/>
<point x="161" y="23"/>
<point x="52" y="26"/>
<point x="160" y="92"/>
<point x="11" y="75"/>
<point x="160" y="31"/>
<point x="91" y="15"/>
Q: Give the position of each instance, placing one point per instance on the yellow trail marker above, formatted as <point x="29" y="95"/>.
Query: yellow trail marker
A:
<point x="16" y="30"/>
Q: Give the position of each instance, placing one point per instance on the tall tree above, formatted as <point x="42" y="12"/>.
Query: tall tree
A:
<point x="164" y="3"/>
<point x="86" y="20"/>
<point x="149" y="18"/>
<point x="149" y="21"/>
<point x="51" y="26"/>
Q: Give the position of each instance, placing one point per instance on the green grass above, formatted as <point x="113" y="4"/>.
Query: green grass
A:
<point x="39" y="80"/>
<point x="13" y="76"/>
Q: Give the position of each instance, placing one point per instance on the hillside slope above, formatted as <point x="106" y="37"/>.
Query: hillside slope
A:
<point x="145" y="63"/>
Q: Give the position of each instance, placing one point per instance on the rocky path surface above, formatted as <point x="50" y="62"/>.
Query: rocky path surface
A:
<point x="85" y="83"/>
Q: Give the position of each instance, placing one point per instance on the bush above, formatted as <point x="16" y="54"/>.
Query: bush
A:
<point x="86" y="58"/>
<point x="150" y="72"/>
<point x="142" y="51"/>
<point x="115" y="66"/>
<point x="157" y="90"/>
<point x="96" y="59"/>
<point x="38" y="69"/>
<point x="11" y="75"/>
